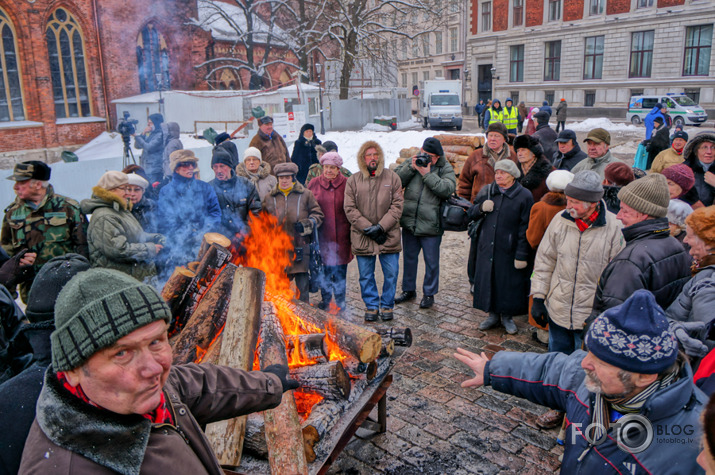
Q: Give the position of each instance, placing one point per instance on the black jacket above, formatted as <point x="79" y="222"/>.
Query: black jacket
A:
<point x="145" y="212"/>
<point x="610" y="196"/>
<point x="658" y="142"/>
<point x="705" y="191"/>
<point x="547" y="138"/>
<point x="237" y="196"/>
<point x="651" y="260"/>
<point x="304" y="154"/>
<point x="568" y="160"/>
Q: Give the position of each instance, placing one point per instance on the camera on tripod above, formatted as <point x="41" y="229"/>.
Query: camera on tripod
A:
<point x="422" y="160"/>
<point x="126" y="126"/>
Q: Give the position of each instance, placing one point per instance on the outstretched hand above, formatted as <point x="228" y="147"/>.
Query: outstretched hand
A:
<point x="476" y="363"/>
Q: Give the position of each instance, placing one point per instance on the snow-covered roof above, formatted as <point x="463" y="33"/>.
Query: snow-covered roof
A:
<point x="212" y="18"/>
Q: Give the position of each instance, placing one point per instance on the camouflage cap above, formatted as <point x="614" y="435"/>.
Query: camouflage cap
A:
<point x="32" y="170"/>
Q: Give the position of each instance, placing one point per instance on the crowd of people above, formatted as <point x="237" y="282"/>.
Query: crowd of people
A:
<point x="614" y="266"/>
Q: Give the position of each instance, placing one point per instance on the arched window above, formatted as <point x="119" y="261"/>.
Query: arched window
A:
<point x="11" y="105"/>
<point x="153" y="60"/>
<point x="68" y="70"/>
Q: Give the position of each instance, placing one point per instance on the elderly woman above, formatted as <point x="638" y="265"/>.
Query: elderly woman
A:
<point x="299" y="213"/>
<point x="681" y="184"/>
<point x="699" y="155"/>
<point x="533" y="165"/>
<point x="304" y="153"/>
<point x="258" y="171"/>
<point x="116" y="239"/>
<point x="501" y="282"/>
<point x="143" y="207"/>
<point x="678" y="211"/>
<point x="334" y="234"/>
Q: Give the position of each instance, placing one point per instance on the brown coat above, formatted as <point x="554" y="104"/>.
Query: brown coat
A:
<point x="273" y="149"/>
<point x="298" y="206"/>
<point x="196" y="395"/>
<point x="541" y="215"/>
<point x="478" y="171"/>
<point x="373" y="200"/>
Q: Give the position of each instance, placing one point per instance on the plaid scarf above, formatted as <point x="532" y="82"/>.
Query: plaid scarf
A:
<point x="602" y="405"/>
<point x="585" y="223"/>
<point x="160" y="415"/>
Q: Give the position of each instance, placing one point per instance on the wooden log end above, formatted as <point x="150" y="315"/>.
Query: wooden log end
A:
<point x="310" y="438"/>
<point x="371" y="348"/>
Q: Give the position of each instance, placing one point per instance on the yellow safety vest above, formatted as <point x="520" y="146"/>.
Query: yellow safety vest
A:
<point x="509" y="118"/>
<point x="494" y="116"/>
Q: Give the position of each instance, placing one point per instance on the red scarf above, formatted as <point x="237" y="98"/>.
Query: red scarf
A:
<point x="584" y="224"/>
<point x="160" y="415"/>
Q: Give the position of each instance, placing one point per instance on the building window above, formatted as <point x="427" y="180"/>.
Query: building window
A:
<point x="595" y="7"/>
<point x="517" y="13"/>
<point x="554" y="10"/>
<point x="404" y="79"/>
<point x="438" y="42"/>
<point x="694" y="94"/>
<point x="549" y="97"/>
<point x="593" y="58"/>
<point x="425" y="75"/>
<point x="68" y="70"/>
<point x="415" y="48"/>
<point x="589" y="98"/>
<point x="454" y="6"/>
<point x="414" y="79"/>
<point x="514" y="97"/>
<point x="425" y="44"/>
<point x="516" y="63"/>
<point x="153" y="60"/>
<point x="644" y="3"/>
<point x="453" y="39"/>
<point x="698" y="44"/>
<point x="552" y="60"/>
<point x="11" y="104"/>
<point x="487" y="16"/>
<point x="403" y="48"/>
<point x="641" y="54"/>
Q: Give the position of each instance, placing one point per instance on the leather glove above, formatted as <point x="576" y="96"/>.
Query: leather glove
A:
<point x="382" y="237"/>
<point x="282" y="372"/>
<point x="692" y="346"/>
<point x="12" y="273"/>
<point x="373" y="231"/>
<point x="487" y="206"/>
<point x="299" y="228"/>
<point x="519" y="264"/>
<point x="539" y="312"/>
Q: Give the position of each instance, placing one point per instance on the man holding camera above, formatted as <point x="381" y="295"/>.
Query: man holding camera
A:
<point x="428" y="180"/>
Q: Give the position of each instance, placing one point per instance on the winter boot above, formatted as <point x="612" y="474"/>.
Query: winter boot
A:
<point x="509" y="324"/>
<point x="491" y="322"/>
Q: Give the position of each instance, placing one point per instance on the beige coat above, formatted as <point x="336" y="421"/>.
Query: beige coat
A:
<point x="569" y="263"/>
<point x="665" y="159"/>
<point x="373" y="200"/>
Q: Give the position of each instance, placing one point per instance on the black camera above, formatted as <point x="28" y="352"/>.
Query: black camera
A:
<point x="126" y="126"/>
<point x="422" y="160"/>
<point x="298" y="255"/>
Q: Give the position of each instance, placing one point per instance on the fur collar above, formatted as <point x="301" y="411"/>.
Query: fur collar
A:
<point x="361" y="158"/>
<point x="537" y="174"/>
<point x="113" y="199"/>
<point x="554" y="199"/>
<point x="264" y="170"/>
<point x="115" y="441"/>
<point x="689" y="154"/>
<point x="297" y="188"/>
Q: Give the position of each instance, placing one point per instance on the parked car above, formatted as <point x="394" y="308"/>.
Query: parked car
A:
<point x="681" y="109"/>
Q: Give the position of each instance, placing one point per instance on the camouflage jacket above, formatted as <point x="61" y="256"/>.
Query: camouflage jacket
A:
<point x="55" y="228"/>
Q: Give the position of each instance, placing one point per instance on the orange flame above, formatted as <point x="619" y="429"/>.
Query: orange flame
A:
<point x="304" y="403"/>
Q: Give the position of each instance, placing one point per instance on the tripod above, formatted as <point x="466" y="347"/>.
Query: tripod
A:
<point x="127" y="152"/>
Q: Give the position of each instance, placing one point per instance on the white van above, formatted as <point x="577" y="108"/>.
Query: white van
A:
<point x="681" y="109"/>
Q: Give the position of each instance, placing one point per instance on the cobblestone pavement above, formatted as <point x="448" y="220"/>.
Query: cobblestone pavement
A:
<point x="434" y="425"/>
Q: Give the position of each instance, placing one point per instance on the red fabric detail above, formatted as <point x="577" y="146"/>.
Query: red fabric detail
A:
<point x="706" y="368"/>
<point x="584" y="224"/>
<point x="160" y="415"/>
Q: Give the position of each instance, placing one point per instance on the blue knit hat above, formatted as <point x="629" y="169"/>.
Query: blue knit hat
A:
<point x="634" y="336"/>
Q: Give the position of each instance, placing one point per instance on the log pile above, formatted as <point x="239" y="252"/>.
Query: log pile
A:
<point x="457" y="149"/>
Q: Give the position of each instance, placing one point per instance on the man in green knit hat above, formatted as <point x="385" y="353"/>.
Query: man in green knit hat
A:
<point x="112" y="401"/>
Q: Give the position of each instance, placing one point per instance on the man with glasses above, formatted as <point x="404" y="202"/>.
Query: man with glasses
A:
<point x="187" y="209"/>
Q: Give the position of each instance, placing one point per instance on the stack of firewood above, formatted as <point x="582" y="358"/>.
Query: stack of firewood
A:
<point x="457" y="149"/>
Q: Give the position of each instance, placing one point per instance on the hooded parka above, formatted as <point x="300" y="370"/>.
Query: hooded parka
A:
<point x="706" y="192"/>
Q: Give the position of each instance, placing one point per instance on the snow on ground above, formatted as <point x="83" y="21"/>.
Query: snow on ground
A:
<point x="603" y="123"/>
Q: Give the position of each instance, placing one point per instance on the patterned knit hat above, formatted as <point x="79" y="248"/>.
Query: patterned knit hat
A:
<point x="97" y="308"/>
<point x="682" y="175"/>
<point x="648" y="195"/>
<point x="634" y="336"/>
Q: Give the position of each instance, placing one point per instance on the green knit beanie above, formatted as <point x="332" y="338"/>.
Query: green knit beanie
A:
<point x="95" y="309"/>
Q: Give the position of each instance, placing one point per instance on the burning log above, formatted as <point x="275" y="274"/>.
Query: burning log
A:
<point x="193" y="266"/>
<point x="176" y="286"/>
<point x="358" y="368"/>
<point x="286" y="453"/>
<point x="236" y="348"/>
<point x="213" y="238"/>
<point x="321" y="419"/>
<point x="329" y="380"/>
<point x="352" y="339"/>
<point x="207" y="321"/>
<point x="308" y="347"/>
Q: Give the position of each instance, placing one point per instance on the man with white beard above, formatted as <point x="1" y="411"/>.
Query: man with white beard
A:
<point x="624" y="399"/>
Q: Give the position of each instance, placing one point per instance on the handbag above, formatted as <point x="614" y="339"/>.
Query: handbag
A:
<point x="454" y="214"/>
<point x="641" y="158"/>
<point x="474" y="225"/>
<point x="315" y="264"/>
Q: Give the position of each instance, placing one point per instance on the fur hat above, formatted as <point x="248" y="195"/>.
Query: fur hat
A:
<point x="585" y="186"/>
<point x="508" y="166"/>
<point x="432" y="145"/>
<point x="112" y="179"/>
<point x="634" y="336"/>
<point x="31" y="170"/>
<point x="499" y="128"/>
<point x="558" y="180"/>
<point x="331" y="158"/>
<point x="702" y="222"/>
<point x="181" y="156"/>
<point x="619" y="173"/>
<point x="677" y="212"/>
<point x="136" y="180"/>
<point x="286" y="169"/>
<point x="648" y="195"/>
<point x="252" y="152"/>
<point x="529" y="142"/>
<point x="682" y="175"/>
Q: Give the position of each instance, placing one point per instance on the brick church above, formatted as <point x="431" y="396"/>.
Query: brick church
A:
<point x="63" y="62"/>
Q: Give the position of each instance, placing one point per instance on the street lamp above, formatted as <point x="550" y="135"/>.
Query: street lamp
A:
<point x="318" y="69"/>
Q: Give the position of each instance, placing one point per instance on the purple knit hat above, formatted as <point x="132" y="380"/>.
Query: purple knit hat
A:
<point x="331" y="158"/>
<point x="682" y="175"/>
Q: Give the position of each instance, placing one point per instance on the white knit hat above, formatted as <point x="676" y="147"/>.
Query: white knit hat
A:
<point x="558" y="179"/>
<point x="252" y="152"/>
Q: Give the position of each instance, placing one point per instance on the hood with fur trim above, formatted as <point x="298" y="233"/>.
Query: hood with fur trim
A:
<point x="361" y="158"/>
<point x="264" y="169"/>
<point x="102" y="198"/>
<point x="689" y="152"/>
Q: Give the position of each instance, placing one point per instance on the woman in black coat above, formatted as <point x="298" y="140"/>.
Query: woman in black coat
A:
<point x="304" y="154"/>
<point x="533" y="165"/>
<point x="501" y="282"/>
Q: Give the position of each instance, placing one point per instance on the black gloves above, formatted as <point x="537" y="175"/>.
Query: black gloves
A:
<point x="539" y="312"/>
<point x="12" y="273"/>
<point x="282" y="372"/>
<point x="373" y="231"/>
<point x="299" y="228"/>
<point x="303" y="228"/>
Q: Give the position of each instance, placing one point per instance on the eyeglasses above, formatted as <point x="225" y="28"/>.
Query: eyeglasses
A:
<point x="186" y="164"/>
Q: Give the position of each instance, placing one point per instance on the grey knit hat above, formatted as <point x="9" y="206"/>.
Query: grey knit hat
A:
<point x="508" y="166"/>
<point x="585" y="186"/>
<point x="648" y="195"/>
<point x="97" y="308"/>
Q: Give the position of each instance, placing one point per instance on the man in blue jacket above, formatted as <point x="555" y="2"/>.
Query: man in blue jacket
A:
<point x="624" y="400"/>
<point x="658" y="111"/>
